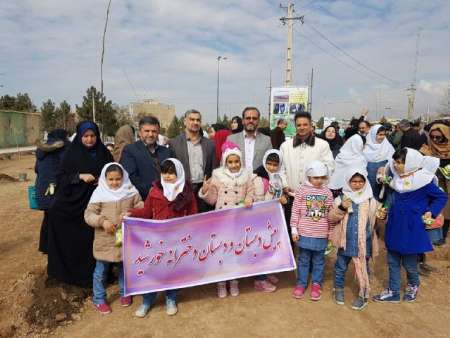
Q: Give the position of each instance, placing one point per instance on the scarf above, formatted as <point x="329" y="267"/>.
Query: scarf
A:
<point x="350" y="156"/>
<point x="375" y="151"/>
<point x="275" y="180"/>
<point x="419" y="171"/>
<point x="228" y="150"/>
<point x="441" y="150"/>
<point x="171" y="190"/>
<point x="123" y="137"/>
<point x="361" y="195"/>
<point x="103" y="193"/>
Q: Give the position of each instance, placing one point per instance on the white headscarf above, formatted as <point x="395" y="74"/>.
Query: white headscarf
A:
<point x="105" y="194"/>
<point x="232" y="151"/>
<point x="419" y="171"/>
<point x="171" y="190"/>
<point x="350" y="156"/>
<point x="375" y="151"/>
<point x="361" y="195"/>
<point x="275" y="179"/>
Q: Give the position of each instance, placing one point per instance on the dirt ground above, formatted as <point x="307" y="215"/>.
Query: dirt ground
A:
<point x="32" y="306"/>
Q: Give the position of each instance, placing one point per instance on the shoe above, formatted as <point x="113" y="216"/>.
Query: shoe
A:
<point x="222" y="289"/>
<point x="234" y="288"/>
<point x="264" y="286"/>
<point x="410" y="293"/>
<point x="299" y="292"/>
<point x="171" y="307"/>
<point x="339" y="296"/>
<point x="126" y="301"/>
<point x="142" y="311"/>
<point x="360" y="303"/>
<point x="273" y="279"/>
<point x="103" y="308"/>
<point x="387" y="296"/>
<point x="439" y="242"/>
<point x="316" y="292"/>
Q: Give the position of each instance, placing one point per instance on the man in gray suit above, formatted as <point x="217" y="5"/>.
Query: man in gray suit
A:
<point x="196" y="153"/>
<point x="252" y="144"/>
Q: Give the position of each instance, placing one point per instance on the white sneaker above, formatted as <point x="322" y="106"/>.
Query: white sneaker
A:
<point x="234" y="288"/>
<point x="222" y="289"/>
<point x="171" y="307"/>
<point x="142" y="311"/>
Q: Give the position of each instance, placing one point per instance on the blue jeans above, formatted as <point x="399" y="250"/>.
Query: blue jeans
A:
<point x="435" y="235"/>
<point x="306" y="258"/>
<point x="149" y="298"/>
<point x="409" y="262"/>
<point x="100" y="275"/>
<point x="340" y="269"/>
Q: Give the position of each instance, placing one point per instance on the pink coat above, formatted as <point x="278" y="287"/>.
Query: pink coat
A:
<point x="226" y="192"/>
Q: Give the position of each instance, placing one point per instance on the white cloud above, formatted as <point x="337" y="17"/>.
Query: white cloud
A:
<point x="168" y="49"/>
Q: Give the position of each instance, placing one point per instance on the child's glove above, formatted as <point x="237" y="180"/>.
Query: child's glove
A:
<point x="427" y="218"/>
<point x="381" y="213"/>
<point x="329" y="248"/>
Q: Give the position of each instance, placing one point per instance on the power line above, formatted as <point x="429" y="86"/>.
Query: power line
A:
<point x="334" y="57"/>
<point x="351" y="56"/>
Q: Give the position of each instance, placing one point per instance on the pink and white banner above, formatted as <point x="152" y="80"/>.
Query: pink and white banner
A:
<point x="205" y="248"/>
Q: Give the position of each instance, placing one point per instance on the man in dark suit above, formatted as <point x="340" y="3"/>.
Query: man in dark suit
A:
<point x="142" y="159"/>
<point x="196" y="153"/>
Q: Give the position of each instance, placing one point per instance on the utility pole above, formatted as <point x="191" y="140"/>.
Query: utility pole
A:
<point x="270" y="92"/>
<point x="93" y="107"/>
<point x="412" y="88"/>
<point x="290" y="39"/>
<point x="310" y="91"/>
<point x="218" y="83"/>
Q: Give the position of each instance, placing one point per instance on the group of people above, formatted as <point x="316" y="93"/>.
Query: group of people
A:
<point x="345" y="196"/>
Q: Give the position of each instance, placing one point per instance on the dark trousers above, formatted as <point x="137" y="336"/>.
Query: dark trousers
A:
<point x="201" y="204"/>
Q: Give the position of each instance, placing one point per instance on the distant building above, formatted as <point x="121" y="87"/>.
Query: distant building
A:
<point x="164" y="112"/>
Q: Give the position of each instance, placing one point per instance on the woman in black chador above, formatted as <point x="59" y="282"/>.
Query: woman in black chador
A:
<point x="70" y="239"/>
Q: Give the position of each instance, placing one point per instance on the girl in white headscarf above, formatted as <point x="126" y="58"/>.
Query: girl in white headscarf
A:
<point x="170" y="197"/>
<point x="350" y="156"/>
<point x="114" y="195"/>
<point x="378" y="151"/>
<point x="416" y="198"/>
<point x="354" y="236"/>
<point x="230" y="186"/>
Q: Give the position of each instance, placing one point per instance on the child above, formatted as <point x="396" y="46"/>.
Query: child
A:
<point x="269" y="184"/>
<point x="415" y="199"/>
<point x="230" y="186"/>
<point x="310" y="228"/>
<point x="169" y="197"/>
<point x="354" y="236"/>
<point x="115" y="194"/>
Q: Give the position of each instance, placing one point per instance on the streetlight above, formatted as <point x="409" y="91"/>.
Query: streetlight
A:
<point x="218" y="77"/>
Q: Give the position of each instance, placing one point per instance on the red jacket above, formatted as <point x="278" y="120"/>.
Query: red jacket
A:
<point x="157" y="206"/>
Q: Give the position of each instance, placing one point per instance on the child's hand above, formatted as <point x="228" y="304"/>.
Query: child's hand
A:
<point x="87" y="178"/>
<point x="124" y="214"/>
<point x="381" y="213"/>
<point x="283" y="199"/>
<point x="248" y="202"/>
<point x="427" y="215"/>
<point x="295" y="237"/>
<point x="346" y="203"/>
<point x="109" y="226"/>
<point x="206" y="185"/>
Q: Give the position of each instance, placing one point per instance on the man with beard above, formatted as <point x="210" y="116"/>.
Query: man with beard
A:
<point x="196" y="152"/>
<point x="142" y="159"/>
<point x="252" y="144"/>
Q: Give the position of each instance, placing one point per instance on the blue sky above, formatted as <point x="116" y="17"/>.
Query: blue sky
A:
<point x="167" y="50"/>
